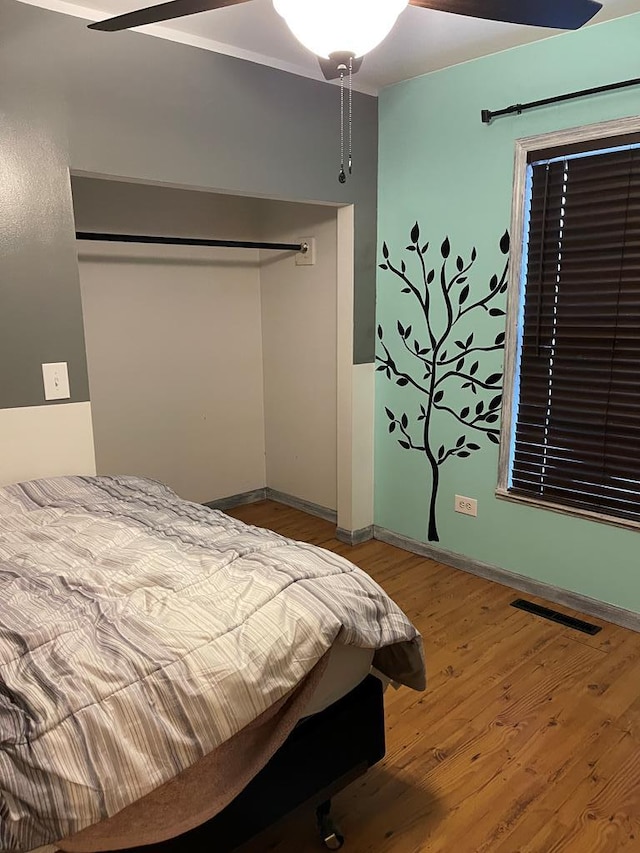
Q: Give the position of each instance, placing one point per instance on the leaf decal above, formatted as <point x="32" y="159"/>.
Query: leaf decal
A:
<point x="431" y="275"/>
<point x="402" y="381"/>
<point x="404" y="444"/>
<point x="472" y="446"/>
<point x="464" y="412"/>
<point x="461" y="441"/>
<point x="463" y="454"/>
<point x="474" y="254"/>
<point x="415" y="233"/>
<point x="474" y="368"/>
<point x="441" y="451"/>
<point x="390" y="414"/>
<point x="504" y="243"/>
<point x="469" y="340"/>
<point x="479" y="407"/>
<point x="380" y="332"/>
<point x="445" y="249"/>
<point x="497" y="312"/>
<point x="406" y="290"/>
<point x="492" y="436"/>
<point x="437" y="397"/>
<point x="499" y="339"/>
<point x="460" y="365"/>
<point x="407" y="332"/>
<point x="425" y="248"/>
<point x="459" y="263"/>
<point x="491" y="419"/>
<point x="464" y="293"/>
<point x="411" y="248"/>
<point x="383" y="266"/>
<point x="495" y="377"/>
<point x="459" y="344"/>
<point x="493" y="283"/>
<point x="400" y="329"/>
<point x="495" y="402"/>
<point x="392" y="426"/>
<point x="403" y="267"/>
<point x="404" y="420"/>
<point x="385" y="251"/>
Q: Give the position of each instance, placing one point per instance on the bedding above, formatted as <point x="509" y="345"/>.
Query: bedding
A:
<point x="139" y="632"/>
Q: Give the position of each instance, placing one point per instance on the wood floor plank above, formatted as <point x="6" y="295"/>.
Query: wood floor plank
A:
<point x="527" y="739"/>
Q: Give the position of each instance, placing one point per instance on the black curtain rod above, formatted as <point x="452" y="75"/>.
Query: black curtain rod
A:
<point x="488" y="115"/>
<point x="190" y="241"/>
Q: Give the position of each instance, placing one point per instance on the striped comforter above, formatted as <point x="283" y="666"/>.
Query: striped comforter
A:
<point x="139" y="631"/>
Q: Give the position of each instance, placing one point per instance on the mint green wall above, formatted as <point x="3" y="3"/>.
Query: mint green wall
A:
<point x="440" y="165"/>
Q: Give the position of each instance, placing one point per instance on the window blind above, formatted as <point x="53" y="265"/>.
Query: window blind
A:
<point x="577" y="420"/>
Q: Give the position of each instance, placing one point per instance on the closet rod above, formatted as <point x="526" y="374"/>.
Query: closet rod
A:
<point x="190" y="241"/>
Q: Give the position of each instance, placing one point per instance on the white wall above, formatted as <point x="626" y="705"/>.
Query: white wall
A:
<point x="213" y="370"/>
<point x="46" y="441"/>
<point x="299" y="355"/>
<point x="173" y="338"/>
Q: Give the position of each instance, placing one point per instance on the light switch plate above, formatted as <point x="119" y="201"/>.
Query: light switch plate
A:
<point x="56" y="381"/>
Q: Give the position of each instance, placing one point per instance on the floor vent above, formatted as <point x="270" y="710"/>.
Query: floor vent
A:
<point x="555" y="616"/>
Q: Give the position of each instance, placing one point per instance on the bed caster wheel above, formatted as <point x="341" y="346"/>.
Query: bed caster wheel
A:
<point x="329" y="832"/>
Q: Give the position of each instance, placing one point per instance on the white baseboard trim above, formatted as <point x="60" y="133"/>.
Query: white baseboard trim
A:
<point x="567" y="598"/>
<point x="354" y="537"/>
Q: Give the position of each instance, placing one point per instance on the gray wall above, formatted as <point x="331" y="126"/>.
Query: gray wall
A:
<point x="133" y="106"/>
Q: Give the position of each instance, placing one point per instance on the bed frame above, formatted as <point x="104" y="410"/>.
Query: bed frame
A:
<point x="322" y="755"/>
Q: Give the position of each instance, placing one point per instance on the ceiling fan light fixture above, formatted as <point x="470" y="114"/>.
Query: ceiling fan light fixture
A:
<point x="340" y="26"/>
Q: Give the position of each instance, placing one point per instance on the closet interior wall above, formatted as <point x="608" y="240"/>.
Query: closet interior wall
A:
<point x="210" y="369"/>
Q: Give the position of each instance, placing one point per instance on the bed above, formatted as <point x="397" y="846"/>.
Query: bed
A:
<point x="165" y="668"/>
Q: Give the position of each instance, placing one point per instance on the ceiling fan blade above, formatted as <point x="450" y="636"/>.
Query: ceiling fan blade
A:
<point x="161" y="12"/>
<point x="560" y="14"/>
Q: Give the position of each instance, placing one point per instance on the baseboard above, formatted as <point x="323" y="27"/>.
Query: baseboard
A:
<point x="302" y="504"/>
<point x="354" y="537"/>
<point x="268" y="494"/>
<point x="574" y="600"/>
<point x="230" y="502"/>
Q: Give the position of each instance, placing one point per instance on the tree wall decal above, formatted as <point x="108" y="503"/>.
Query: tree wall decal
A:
<point x="441" y="359"/>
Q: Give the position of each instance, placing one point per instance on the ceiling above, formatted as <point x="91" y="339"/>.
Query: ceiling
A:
<point x="421" y="41"/>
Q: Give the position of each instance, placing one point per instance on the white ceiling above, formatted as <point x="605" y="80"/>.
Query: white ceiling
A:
<point x="421" y="41"/>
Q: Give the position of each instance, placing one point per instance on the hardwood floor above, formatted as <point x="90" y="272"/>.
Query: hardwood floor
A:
<point x="527" y="738"/>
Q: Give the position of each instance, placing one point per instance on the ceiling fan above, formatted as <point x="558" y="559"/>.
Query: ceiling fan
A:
<point x="340" y="32"/>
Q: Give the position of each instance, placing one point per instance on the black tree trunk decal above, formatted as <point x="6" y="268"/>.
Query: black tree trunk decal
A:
<point x="439" y="359"/>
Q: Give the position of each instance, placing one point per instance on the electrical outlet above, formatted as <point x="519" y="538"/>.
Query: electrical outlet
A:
<point x="56" y="381"/>
<point x="467" y="506"/>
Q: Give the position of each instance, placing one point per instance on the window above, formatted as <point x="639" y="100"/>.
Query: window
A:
<point x="571" y="431"/>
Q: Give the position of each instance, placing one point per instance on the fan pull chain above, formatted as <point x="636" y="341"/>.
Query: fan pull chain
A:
<point x="341" y="175"/>
<point x="350" y="113"/>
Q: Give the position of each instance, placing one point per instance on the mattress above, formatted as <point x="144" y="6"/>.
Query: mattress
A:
<point x="205" y="789"/>
<point x="347" y="666"/>
<point x="188" y="628"/>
